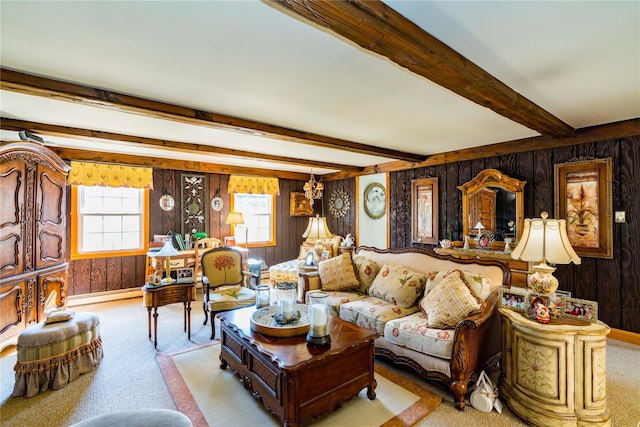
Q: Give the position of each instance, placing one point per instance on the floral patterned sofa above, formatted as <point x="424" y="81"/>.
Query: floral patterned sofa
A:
<point x="434" y="313"/>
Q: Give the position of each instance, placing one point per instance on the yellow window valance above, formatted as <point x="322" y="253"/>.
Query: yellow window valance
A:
<point x="253" y="185"/>
<point x="110" y="175"/>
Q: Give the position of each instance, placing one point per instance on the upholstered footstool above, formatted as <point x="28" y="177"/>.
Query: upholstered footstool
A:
<point x="52" y="355"/>
<point x="138" y="418"/>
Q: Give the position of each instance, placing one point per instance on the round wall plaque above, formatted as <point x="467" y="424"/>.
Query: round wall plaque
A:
<point x="217" y="204"/>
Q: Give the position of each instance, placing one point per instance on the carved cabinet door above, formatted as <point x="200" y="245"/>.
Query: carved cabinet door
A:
<point x="12" y="217"/>
<point x="50" y="220"/>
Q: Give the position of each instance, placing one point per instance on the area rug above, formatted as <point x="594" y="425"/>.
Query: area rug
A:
<point x="210" y="396"/>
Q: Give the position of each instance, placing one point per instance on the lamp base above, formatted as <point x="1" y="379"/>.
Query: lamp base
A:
<point x="325" y="340"/>
<point x="542" y="281"/>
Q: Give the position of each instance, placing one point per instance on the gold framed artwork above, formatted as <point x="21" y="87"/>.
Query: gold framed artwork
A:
<point x="375" y="200"/>
<point x="299" y="205"/>
<point x="424" y="210"/>
<point x="583" y="197"/>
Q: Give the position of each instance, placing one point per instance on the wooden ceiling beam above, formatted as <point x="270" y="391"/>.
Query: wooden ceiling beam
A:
<point x="89" y="134"/>
<point x="153" y="162"/>
<point x="378" y="28"/>
<point x="55" y="89"/>
<point x="622" y="129"/>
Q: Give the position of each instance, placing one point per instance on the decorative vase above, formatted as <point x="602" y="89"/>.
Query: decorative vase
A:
<point x="542" y="281"/>
<point x="582" y="229"/>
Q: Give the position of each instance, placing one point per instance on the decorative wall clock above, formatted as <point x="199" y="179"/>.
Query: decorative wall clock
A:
<point x="194" y="206"/>
<point x="339" y="203"/>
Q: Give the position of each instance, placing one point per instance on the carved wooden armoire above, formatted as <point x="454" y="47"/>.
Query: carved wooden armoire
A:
<point x="33" y="267"/>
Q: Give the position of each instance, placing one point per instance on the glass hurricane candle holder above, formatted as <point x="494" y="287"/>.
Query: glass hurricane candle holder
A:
<point x="286" y="302"/>
<point x="318" y="319"/>
<point x="263" y="296"/>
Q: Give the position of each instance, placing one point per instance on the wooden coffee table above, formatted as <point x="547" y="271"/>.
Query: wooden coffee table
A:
<point x="295" y="380"/>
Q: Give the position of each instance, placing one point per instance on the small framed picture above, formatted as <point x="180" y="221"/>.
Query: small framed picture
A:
<point x="325" y="255"/>
<point x="182" y="275"/>
<point x="514" y="298"/>
<point x="535" y="301"/>
<point x="580" y="309"/>
<point x="308" y="260"/>
<point x="558" y="299"/>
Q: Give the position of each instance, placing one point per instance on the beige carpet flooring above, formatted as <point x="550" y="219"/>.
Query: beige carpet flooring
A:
<point x="215" y="390"/>
<point x="129" y="376"/>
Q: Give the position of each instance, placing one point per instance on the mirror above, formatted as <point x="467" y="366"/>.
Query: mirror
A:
<point x="497" y="202"/>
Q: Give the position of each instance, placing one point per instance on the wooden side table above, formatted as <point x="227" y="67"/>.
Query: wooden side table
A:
<point x="554" y="374"/>
<point x="157" y="296"/>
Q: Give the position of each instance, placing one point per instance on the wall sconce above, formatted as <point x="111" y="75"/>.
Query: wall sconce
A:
<point x="166" y="201"/>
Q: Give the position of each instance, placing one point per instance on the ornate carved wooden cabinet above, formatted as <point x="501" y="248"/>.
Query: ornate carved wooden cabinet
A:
<point x="33" y="232"/>
<point x="554" y="374"/>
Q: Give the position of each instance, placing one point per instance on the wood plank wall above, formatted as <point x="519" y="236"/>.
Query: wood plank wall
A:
<point x="115" y="273"/>
<point x="613" y="283"/>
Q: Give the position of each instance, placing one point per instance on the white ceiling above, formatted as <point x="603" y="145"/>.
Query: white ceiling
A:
<point x="579" y="60"/>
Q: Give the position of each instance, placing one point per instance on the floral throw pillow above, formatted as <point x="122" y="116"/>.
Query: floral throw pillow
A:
<point x="366" y="270"/>
<point x="450" y="301"/>
<point x="479" y="283"/>
<point x="337" y="273"/>
<point x="398" y="285"/>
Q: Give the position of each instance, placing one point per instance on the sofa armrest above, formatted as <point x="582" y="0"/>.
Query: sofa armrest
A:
<point x="477" y="340"/>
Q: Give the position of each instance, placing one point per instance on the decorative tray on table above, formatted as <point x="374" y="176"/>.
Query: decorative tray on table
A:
<point x="266" y="321"/>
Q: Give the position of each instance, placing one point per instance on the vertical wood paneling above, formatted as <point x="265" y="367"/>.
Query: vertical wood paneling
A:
<point x="615" y="283"/>
<point x="98" y="275"/>
<point x="114" y="273"/>
<point x="629" y="260"/>
<point x="81" y="276"/>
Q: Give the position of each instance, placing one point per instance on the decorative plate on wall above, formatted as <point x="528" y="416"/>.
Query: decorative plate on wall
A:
<point x="339" y="203"/>
<point x="375" y="200"/>
<point x="217" y="204"/>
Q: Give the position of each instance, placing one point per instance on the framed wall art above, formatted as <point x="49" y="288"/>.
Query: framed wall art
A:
<point x="195" y="212"/>
<point x="375" y="200"/>
<point x="299" y="205"/>
<point x="583" y="197"/>
<point x="424" y="210"/>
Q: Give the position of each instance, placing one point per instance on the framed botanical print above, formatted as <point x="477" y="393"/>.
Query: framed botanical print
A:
<point x="424" y="210"/>
<point x="375" y="200"/>
<point x="583" y="197"/>
<point x="299" y="205"/>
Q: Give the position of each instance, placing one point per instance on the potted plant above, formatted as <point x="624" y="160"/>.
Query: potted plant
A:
<point x="580" y="214"/>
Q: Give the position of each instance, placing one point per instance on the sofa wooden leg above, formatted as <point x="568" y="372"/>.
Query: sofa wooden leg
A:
<point x="459" y="390"/>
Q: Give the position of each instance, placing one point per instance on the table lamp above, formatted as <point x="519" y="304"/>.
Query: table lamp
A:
<point x="544" y="240"/>
<point x="317" y="230"/>
<point x="236" y="218"/>
<point x="167" y="251"/>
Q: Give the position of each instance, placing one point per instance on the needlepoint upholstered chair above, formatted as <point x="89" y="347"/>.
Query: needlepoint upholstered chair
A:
<point x="223" y="283"/>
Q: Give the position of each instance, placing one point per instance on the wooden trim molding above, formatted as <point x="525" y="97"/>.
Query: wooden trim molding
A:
<point x="625" y="336"/>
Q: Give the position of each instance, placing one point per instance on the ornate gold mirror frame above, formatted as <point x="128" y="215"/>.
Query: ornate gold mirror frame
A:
<point x="488" y="181"/>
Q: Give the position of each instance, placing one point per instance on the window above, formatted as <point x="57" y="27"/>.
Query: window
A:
<point x="259" y="215"/>
<point x="108" y="221"/>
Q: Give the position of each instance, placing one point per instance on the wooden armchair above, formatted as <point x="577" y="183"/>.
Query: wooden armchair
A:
<point x="223" y="283"/>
